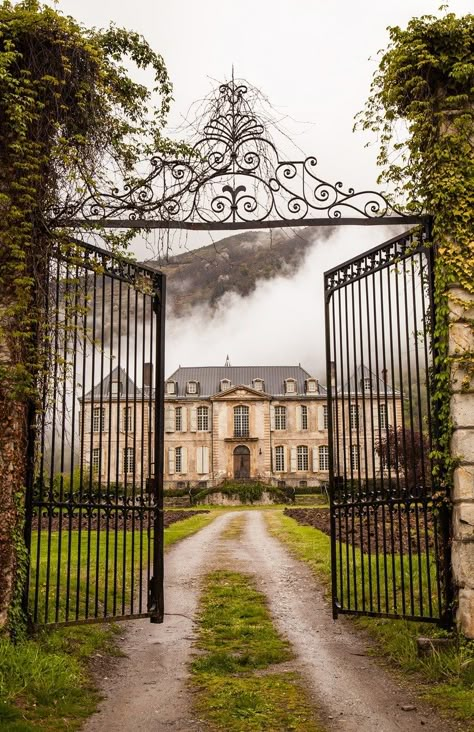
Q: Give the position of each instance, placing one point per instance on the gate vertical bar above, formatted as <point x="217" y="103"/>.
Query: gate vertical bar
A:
<point x="157" y="588"/>
<point x="329" y="386"/>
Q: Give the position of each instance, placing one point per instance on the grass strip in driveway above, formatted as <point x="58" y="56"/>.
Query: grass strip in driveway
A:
<point x="46" y="681"/>
<point x="239" y="685"/>
<point x="444" y="679"/>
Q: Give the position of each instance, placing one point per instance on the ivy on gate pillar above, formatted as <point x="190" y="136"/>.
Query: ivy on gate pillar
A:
<point x="461" y="348"/>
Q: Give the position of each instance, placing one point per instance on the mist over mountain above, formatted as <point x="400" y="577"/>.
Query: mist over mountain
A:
<point x="236" y="264"/>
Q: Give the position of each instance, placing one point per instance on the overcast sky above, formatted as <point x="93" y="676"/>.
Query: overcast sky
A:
<point x="314" y="60"/>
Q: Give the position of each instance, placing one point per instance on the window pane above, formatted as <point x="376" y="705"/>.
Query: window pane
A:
<point x="304" y="418"/>
<point x="178" y="419"/>
<point x="280" y="418"/>
<point x="302" y="455"/>
<point x="202" y="419"/>
<point x="178" y="460"/>
<point x="324" y="457"/>
<point x="279" y="458"/>
<point x="241" y="421"/>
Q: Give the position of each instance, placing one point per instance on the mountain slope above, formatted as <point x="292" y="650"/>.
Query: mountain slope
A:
<point x="234" y="264"/>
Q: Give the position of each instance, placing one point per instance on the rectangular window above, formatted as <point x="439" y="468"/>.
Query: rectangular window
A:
<point x="127" y="419"/>
<point x="203" y="419"/>
<point x="290" y="387"/>
<point x="192" y="387"/>
<point x="354" y="416"/>
<point x="115" y="388"/>
<point x="95" y="460"/>
<point x="178" y="418"/>
<point x="354" y="457"/>
<point x="128" y="460"/>
<point x="280" y="418"/>
<point x="304" y="418"/>
<point x="324" y="457"/>
<point x="325" y="417"/>
<point x="383" y="416"/>
<point x="302" y="457"/>
<point x="279" y="459"/>
<point x="178" y="459"/>
<point x="98" y="419"/>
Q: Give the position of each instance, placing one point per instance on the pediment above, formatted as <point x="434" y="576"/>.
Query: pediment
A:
<point x="239" y="392"/>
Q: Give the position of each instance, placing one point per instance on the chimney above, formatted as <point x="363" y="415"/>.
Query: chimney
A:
<point x="384" y="376"/>
<point x="147" y="374"/>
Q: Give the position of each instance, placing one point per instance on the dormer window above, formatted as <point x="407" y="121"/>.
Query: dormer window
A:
<point x="192" y="387"/>
<point x="258" y="384"/>
<point x="225" y="384"/>
<point x="171" y="387"/>
<point x="367" y="383"/>
<point x="115" y="388"/>
<point x="311" y="386"/>
<point x="290" y="386"/>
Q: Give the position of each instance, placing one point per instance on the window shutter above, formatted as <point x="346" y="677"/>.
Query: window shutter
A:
<point x="293" y="463"/>
<point x="169" y="419"/>
<point x="285" y="460"/>
<point x="315" y="460"/>
<point x="193" y="426"/>
<point x="205" y="459"/>
<point x="375" y="416"/>
<point x="299" y="418"/>
<point x="184" y="459"/>
<point x="199" y="460"/>
<point x="184" y="419"/>
<point x="272" y="417"/>
<point x="320" y="419"/>
<point x="171" y="460"/>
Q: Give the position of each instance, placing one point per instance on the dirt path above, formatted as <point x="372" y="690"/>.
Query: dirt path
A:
<point x="147" y="690"/>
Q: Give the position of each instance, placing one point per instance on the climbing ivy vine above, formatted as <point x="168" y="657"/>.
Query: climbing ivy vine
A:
<point x="422" y="108"/>
<point x="71" y="117"/>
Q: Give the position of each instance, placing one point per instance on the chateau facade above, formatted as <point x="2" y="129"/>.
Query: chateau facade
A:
<point x="267" y="423"/>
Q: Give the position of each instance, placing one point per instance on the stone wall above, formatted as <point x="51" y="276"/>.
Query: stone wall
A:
<point x="461" y="342"/>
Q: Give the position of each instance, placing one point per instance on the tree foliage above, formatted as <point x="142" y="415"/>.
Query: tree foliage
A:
<point x="425" y="86"/>
<point x="406" y="453"/>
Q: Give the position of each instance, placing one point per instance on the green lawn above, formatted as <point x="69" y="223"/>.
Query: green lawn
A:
<point x="446" y="679"/>
<point x="45" y="682"/>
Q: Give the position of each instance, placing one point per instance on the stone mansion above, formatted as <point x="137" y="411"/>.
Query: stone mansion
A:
<point x="267" y="423"/>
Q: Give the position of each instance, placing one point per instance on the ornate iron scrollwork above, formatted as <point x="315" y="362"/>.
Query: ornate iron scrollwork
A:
<point x="234" y="178"/>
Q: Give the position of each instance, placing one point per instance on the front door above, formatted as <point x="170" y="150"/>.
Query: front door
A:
<point x="241" y="462"/>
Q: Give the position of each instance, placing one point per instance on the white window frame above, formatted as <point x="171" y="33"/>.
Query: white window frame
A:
<point x="96" y="459"/>
<point x="383" y="417"/>
<point x="128" y="460"/>
<point x="304" y="417"/>
<point x="98" y="419"/>
<point x="203" y="419"/>
<point x="178" y="419"/>
<point x="127" y="419"/>
<point x="279" y="459"/>
<point x="225" y="384"/>
<point x="367" y="383"/>
<point x="115" y="388"/>
<point x="354" y="457"/>
<point x="354" y="416"/>
<point x="191" y="387"/>
<point x="325" y="417"/>
<point x="280" y="417"/>
<point x="323" y="458"/>
<point x="171" y="387"/>
<point x="241" y="421"/>
<point x="258" y="384"/>
<point x="178" y="459"/>
<point x="302" y="456"/>
<point x="311" y="386"/>
<point x="292" y="383"/>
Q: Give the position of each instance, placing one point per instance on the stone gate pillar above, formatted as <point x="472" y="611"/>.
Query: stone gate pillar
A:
<point x="461" y="343"/>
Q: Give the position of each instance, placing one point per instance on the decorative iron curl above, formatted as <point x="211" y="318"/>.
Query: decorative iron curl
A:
<point x="235" y="174"/>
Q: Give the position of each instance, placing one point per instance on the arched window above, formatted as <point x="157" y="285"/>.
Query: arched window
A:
<point x="241" y="421"/>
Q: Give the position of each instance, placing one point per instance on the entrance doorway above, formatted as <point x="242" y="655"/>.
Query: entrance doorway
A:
<point x="241" y="462"/>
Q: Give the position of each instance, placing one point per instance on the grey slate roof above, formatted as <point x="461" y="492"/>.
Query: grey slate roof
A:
<point x="356" y="383"/>
<point x="209" y="378"/>
<point x="118" y="374"/>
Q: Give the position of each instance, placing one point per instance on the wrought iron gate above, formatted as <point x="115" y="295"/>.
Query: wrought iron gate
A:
<point x="94" y="505"/>
<point x="388" y="539"/>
